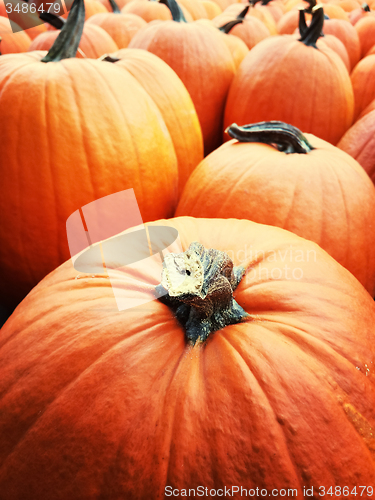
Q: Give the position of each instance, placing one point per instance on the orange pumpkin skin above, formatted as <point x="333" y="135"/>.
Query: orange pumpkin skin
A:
<point x="101" y="404"/>
<point x="320" y="196"/>
<point x="359" y="142"/>
<point x="12" y="43"/>
<point x="366" y="31"/>
<point x="174" y="102"/>
<point x="237" y="48"/>
<point x="80" y="152"/>
<point x="203" y="62"/>
<point x="270" y="77"/>
<point x="348" y="35"/>
<point x="149" y="11"/>
<point x="363" y="84"/>
<point x="95" y="42"/>
<point x="336" y="45"/>
<point x="251" y="31"/>
<point x="121" y="27"/>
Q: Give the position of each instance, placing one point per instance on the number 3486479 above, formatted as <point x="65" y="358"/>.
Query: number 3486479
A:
<point x="25" y="8"/>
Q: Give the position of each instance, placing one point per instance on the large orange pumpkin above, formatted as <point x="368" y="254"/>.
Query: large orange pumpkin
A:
<point x="318" y="193"/>
<point x="80" y="137"/>
<point x="106" y="405"/>
<point x="348" y="35"/>
<point x="174" y="102"/>
<point x="201" y="59"/>
<point x="291" y="80"/>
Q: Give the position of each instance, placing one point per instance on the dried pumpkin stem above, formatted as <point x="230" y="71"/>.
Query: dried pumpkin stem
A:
<point x="66" y="44"/>
<point x="365" y="7"/>
<point x="176" y="11"/>
<point x="200" y="285"/>
<point x="226" y="28"/>
<point x="302" y="26"/>
<point x="314" y="31"/>
<point x="284" y="137"/>
<point x="243" y="12"/>
<point x="53" y="20"/>
<point x="115" y="8"/>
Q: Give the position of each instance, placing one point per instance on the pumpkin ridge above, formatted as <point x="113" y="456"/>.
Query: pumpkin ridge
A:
<point x="257" y="379"/>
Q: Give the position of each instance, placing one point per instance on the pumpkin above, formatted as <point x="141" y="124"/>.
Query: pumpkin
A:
<point x="348" y="35"/>
<point x="337" y="46"/>
<point x="362" y="80"/>
<point x="88" y="130"/>
<point x="120" y="3"/>
<point x="12" y="42"/>
<point x="195" y="8"/>
<point x="94" y="42"/>
<point x="236" y="9"/>
<point x="366" y="32"/>
<point x="148" y="10"/>
<point x="201" y="59"/>
<point x="359" y="142"/>
<point x="92" y="7"/>
<point x="249" y="29"/>
<point x="310" y="188"/>
<point x="268" y="85"/>
<point x="212" y="8"/>
<point x="121" y="27"/>
<point x="237" y="48"/>
<point x="173" y="101"/>
<point x="369" y="108"/>
<point x="358" y="14"/>
<point x="101" y="404"/>
<point x="335" y="12"/>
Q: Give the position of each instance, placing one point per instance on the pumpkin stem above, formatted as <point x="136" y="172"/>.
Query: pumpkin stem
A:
<point x="243" y="12"/>
<point x="314" y="31"/>
<point x="302" y="26"/>
<point x="109" y="58"/>
<point x="52" y="19"/>
<point x="200" y="285"/>
<point x="228" y="26"/>
<point x="365" y="7"/>
<point x="66" y="44"/>
<point x="115" y="8"/>
<point x="176" y="11"/>
<point x="312" y="4"/>
<point x="284" y="137"/>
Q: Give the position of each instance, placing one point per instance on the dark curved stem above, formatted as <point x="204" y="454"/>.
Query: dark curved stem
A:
<point x="312" y="4"/>
<point x="314" y="31"/>
<point x="302" y="26"/>
<point x="226" y="28"/>
<point x="284" y="137"/>
<point x="365" y="7"/>
<point x="109" y="58"/>
<point x="243" y="12"/>
<point x="115" y="8"/>
<point x="52" y="19"/>
<point x="66" y="44"/>
<point x="177" y="14"/>
<point x="200" y="285"/>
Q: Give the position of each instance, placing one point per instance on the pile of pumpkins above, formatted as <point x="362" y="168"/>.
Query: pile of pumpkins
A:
<point x="249" y="129"/>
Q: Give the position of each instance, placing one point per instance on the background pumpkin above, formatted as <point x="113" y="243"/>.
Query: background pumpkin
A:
<point x="174" y="102"/>
<point x="321" y="195"/>
<point x="203" y="62"/>
<point x="102" y="404"/>
<point x="79" y="138"/>
<point x="269" y="86"/>
<point x="359" y="142"/>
